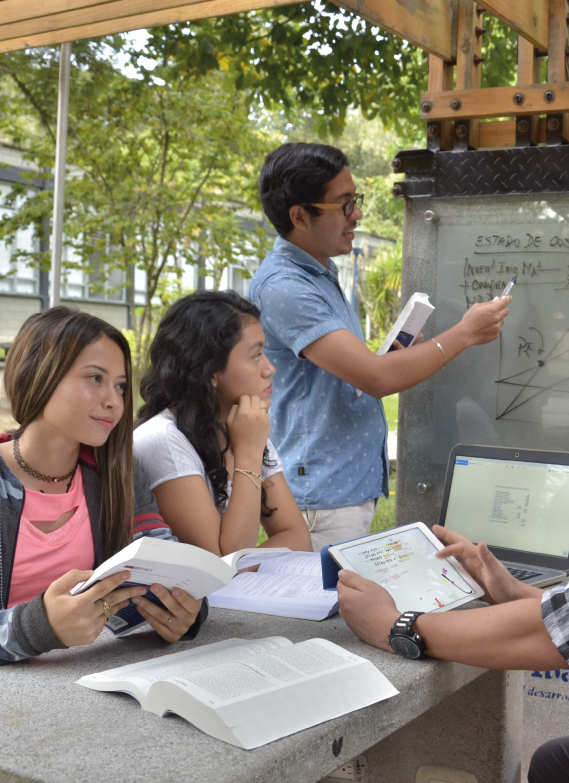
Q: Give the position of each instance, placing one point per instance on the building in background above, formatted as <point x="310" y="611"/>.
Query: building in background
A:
<point x="24" y="290"/>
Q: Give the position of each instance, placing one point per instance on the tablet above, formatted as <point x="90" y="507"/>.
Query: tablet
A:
<point x="403" y="561"/>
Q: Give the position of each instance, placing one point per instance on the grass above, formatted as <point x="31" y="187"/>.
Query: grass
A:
<point x="391" y="406"/>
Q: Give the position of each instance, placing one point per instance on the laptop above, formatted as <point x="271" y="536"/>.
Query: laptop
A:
<point x="517" y="501"/>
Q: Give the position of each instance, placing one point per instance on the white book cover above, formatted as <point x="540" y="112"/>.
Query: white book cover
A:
<point x="171" y="564"/>
<point x="409" y="323"/>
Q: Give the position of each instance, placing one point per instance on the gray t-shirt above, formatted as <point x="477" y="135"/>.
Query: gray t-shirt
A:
<point x="164" y="453"/>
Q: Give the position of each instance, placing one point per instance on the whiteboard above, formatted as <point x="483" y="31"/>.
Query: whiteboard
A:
<point x="515" y="391"/>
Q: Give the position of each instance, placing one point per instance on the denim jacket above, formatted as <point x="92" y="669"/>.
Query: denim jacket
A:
<point x="24" y="628"/>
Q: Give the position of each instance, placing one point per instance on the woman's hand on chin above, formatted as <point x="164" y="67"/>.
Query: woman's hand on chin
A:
<point x="248" y="426"/>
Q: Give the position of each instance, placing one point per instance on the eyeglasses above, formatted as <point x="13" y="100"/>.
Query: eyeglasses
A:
<point x="347" y="207"/>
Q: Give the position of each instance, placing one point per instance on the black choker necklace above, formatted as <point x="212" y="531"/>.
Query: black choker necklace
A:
<point x="23" y="464"/>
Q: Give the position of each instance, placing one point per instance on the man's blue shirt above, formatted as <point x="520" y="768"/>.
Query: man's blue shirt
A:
<point x="331" y="440"/>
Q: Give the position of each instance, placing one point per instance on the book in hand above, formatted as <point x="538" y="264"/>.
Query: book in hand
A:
<point x="290" y="586"/>
<point x="410" y="322"/>
<point x="250" y="692"/>
<point x="171" y="564"/>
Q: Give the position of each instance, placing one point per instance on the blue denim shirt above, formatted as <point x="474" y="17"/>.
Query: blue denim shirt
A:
<point x="332" y="441"/>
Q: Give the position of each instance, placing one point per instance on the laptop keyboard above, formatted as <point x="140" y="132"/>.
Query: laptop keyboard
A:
<point x="522" y="573"/>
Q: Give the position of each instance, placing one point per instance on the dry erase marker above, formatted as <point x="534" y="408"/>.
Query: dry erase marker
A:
<point x="508" y="289"/>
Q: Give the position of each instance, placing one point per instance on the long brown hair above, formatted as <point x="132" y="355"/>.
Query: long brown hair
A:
<point x="41" y="355"/>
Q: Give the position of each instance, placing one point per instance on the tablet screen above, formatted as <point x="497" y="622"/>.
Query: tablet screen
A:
<point x="405" y="564"/>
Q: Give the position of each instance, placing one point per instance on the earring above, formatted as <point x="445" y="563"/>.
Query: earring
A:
<point x="214" y="384"/>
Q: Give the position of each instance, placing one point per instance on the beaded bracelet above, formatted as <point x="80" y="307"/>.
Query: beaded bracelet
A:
<point x="250" y="474"/>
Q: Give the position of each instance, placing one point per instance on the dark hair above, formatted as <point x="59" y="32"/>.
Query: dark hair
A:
<point x="41" y="355"/>
<point x="297" y="174"/>
<point x="192" y="343"/>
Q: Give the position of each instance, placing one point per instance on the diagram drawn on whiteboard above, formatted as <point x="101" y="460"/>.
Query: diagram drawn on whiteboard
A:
<point x="539" y="390"/>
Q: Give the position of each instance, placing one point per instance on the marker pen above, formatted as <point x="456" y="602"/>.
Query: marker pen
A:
<point x="508" y="289"/>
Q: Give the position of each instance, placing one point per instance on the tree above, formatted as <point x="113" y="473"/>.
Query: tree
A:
<point x="380" y="292"/>
<point x="155" y="163"/>
<point x="321" y="59"/>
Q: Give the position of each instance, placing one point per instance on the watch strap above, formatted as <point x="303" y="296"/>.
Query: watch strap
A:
<point x="404" y="625"/>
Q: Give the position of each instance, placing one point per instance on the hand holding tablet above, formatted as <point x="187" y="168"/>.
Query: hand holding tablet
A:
<point x="403" y="561"/>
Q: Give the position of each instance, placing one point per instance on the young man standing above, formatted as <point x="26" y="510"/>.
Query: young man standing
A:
<point x="332" y="439"/>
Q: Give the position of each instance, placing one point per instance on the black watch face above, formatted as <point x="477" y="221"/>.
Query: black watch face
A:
<point x="405" y="646"/>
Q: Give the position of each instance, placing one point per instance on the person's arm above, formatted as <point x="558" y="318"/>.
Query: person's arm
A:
<point x="342" y="354"/>
<point x="186" y="614"/>
<point x="186" y="503"/>
<point x="498" y="583"/>
<point x="508" y="636"/>
<point x="286" y="525"/>
<point x="57" y="619"/>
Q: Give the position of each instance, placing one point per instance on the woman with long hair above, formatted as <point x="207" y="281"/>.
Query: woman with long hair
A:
<point x="67" y="496"/>
<point x="203" y="436"/>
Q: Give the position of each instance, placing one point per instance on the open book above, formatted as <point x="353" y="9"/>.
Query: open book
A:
<point x="289" y="585"/>
<point x="250" y="692"/>
<point x="171" y="564"/>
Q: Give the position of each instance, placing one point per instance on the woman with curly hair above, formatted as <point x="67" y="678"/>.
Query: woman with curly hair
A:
<point x="202" y="439"/>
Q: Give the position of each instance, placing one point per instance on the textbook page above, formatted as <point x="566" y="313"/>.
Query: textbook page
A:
<point x="288" y="595"/>
<point x="245" y="558"/>
<point x="137" y="678"/>
<point x="302" y="563"/>
<point x="274" y="694"/>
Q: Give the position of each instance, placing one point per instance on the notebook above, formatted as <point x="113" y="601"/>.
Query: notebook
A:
<point x="517" y="501"/>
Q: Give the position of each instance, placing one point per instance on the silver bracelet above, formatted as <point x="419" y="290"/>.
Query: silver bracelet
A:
<point x="437" y="343"/>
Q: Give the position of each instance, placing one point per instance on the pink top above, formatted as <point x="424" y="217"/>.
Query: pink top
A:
<point x="41" y="558"/>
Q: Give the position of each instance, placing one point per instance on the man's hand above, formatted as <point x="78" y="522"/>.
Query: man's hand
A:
<point x="481" y="324"/>
<point x="499" y="585"/>
<point x="367" y="608"/>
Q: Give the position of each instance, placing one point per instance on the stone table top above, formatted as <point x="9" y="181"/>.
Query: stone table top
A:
<point x="54" y="731"/>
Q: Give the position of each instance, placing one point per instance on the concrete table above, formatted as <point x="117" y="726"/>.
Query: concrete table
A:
<point x="54" y="731"/>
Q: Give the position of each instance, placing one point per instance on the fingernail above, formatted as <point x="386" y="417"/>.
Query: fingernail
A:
<point x="342" y="573"/>
<point x="136" y="600"/>
<point x="176" y="592"/>
<point x="156" y="589"/>
<point x="125" y="574"/>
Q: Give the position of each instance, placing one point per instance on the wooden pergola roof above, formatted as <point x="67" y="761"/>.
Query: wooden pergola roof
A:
<point x="425" y="23"/>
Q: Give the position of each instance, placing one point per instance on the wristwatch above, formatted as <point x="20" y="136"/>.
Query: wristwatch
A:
<point x="404" y="640"/>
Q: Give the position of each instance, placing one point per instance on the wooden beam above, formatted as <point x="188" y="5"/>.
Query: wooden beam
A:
<point x="503" y="134"/>
<point x="186" y="13"/>
<point x="529" y="18"/>
<point x="103" y="12"/>
<point x="19" y="10"/>
<point x="427" y="24"/>
<point x="496" y="102"/>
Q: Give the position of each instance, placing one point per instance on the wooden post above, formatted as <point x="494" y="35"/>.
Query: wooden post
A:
<point x="557" y="126"/>
<point x="529" y="72"/>
<point x="441" y="78"/>
<point x="468" y="59"/>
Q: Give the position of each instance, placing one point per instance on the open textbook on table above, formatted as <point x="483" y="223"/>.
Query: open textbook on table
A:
<point x="250" y="692"/>
<point x="171" y="564"/>
<point x="290" y="586"/>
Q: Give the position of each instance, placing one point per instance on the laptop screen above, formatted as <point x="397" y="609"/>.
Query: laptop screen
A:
<point x="509" y="503"/>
